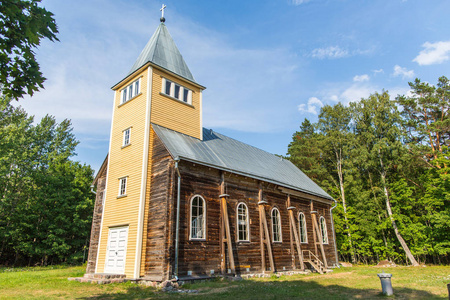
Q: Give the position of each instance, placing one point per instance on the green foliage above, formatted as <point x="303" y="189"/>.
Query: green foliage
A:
<point x="46" y="204"/>
<point x="23" y="24"/>
<point x="387" y="164"/>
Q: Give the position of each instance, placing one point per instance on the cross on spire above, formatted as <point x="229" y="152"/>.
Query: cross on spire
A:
<point x="162" y="13"/>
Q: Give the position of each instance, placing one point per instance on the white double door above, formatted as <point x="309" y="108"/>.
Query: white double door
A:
<point x="117" y="250"/>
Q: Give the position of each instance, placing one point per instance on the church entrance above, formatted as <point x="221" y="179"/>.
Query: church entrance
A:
<point x="116" y="252"/>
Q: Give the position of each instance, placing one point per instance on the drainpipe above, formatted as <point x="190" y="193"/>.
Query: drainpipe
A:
<point x="92" y="190"/>
<point x="177" y="226"/>
<point x="334" y="233"/>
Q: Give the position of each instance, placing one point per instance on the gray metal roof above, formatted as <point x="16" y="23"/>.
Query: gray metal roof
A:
<point x="162" y="51"/>
<point x="224" y="153"/>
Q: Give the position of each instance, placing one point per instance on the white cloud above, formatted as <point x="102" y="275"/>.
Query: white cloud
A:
<point x="403" y="72"/>
<point x="355" y="92"/>
<point x="299" y="2"/>
<point x="378" y="71"/>
<point x="361" y="78"/>
<point x="314" y="104"/>
<point x="329" y="52"/>
<point x="434" y="53"/>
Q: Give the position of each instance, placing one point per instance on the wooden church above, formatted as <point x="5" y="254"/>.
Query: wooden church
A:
<point x="176" y="200"/>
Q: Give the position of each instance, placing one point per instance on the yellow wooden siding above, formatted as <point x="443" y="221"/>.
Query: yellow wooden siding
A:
<point x="174" y="114"/>
<point x="125" y="161"/>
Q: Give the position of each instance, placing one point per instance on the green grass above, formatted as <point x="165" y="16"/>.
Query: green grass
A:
<point x="344" y="283"/>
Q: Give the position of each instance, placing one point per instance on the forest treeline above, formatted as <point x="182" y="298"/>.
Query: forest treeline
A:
<point x="45" y="199"/>
<point x="386" y="162"/>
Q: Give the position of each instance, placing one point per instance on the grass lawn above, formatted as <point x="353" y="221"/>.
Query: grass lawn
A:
<point x="344" y="283"/>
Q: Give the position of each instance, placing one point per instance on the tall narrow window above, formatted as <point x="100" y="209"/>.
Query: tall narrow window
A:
<point x="276" y="225"/>
<point x="323" y="229"/>
<point x="126" y="137"/>
<point x="302" y="228"/>
<point x="168" y="84"/>
<point x="198" y="226"/>
<point x="136" y="87"/>
<point x="242" y="222"/>
<point x="123" y="186"/>
<point x="177" y="91"/>
<point x="186" y="95"/>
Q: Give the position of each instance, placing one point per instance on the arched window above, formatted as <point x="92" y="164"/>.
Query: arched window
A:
<point x="323" y="228"/>
<point x="302" y="228"/>
<point x="198" y="216"/>
<point x="242" y="222"/>
<point x="276" y="225"/>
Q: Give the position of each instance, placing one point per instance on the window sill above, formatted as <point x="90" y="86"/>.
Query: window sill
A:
<point x="197" y="240"/>
<point x="243" y="242"/>
<point x="178" y="100"/>
<point x="121" y="104"/>
<point x="121" y="196"/>
<point x="126" y="145"/>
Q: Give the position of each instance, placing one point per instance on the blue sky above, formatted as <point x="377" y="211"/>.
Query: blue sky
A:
<point x="267" y="65"/>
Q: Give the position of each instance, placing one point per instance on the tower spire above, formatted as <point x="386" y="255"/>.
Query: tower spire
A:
<point x="162" y="13"/>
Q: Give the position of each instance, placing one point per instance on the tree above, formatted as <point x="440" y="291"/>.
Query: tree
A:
<point x="334" y="125"/>
<point x="378" y="128"/>
<point x="23" y="24"/>
<point x="45" y="199"/>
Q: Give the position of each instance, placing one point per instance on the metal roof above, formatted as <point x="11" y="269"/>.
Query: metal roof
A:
<point x="162" y="51"/>
<point x="224" y="153"/>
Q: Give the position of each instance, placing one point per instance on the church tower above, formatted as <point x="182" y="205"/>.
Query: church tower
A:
<point x="159" y="89"/>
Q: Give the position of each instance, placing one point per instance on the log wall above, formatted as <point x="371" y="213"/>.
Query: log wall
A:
<point x="201" y="257"/>
<point x="96" y="221"/>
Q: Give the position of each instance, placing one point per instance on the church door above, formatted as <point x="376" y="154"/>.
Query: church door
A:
<point x="116" y="252"/>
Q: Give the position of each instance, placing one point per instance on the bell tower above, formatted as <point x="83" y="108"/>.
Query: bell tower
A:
<point x="159" y="89"/>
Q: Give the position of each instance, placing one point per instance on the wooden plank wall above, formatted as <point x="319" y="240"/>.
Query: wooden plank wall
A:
<point x="96" y="223"/>
<point x="160" y="214"/>
<point x="200" y="257"/>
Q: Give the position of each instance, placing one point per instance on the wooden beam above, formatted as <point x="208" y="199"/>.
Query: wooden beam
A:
<point x="222" y="229"/>
<point x="291" y="236"/>
<point x="225" y="229"/>
<point x="319" y="236"/>
<point x="265" y="237"/>
<point x="293" y="227"/>
<point x="228" y="235"/>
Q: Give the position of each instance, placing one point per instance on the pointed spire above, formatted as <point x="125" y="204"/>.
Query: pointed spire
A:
<point x="162" y="51"/>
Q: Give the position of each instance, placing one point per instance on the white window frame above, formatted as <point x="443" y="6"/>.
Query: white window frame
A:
<point x="130" y="91"/>
<point x="172" y="91"/>
<point x="278" y="226"/>
<point x="323" y="230"/>
<point x="123" y="182"/>
<point x="246" y="220"/>
<point x="302" y="230"/>
<point x="203" y="220"/>
<point x="124" y="135"/>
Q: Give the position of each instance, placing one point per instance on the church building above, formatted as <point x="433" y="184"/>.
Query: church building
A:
<point x="176" y="200"/>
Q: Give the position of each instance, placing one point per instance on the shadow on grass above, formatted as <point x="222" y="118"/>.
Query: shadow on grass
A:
<point x="276" y="289"/>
